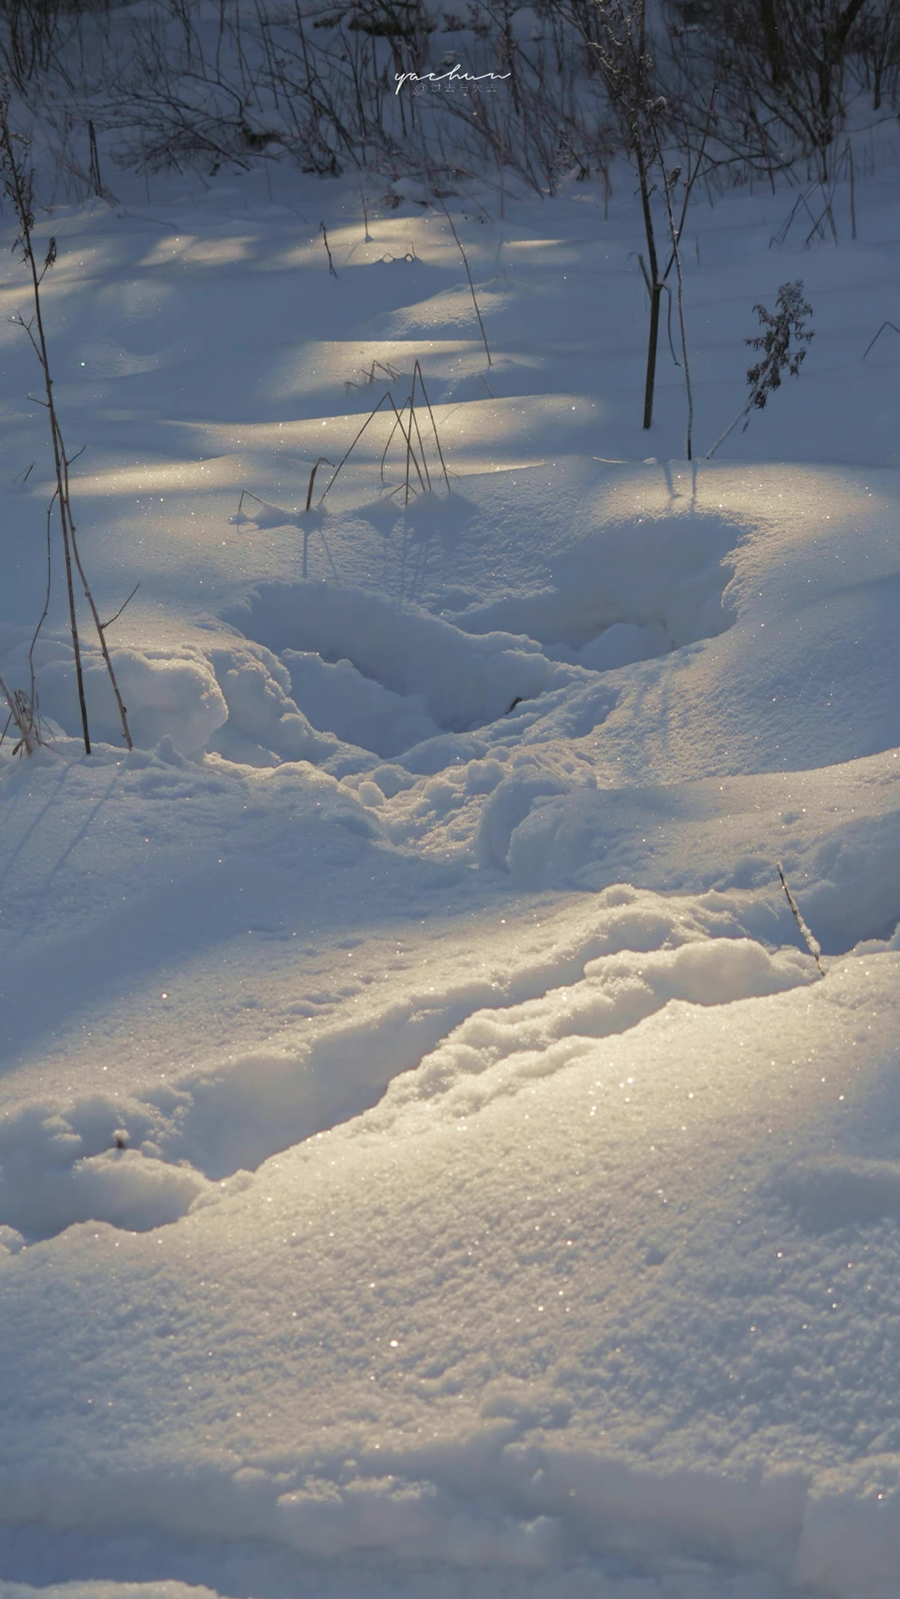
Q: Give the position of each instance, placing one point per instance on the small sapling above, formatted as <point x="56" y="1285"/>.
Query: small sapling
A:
<point x="782" y="343"/>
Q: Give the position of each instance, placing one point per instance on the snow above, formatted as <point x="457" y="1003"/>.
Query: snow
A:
<point x="431" y="1159"/>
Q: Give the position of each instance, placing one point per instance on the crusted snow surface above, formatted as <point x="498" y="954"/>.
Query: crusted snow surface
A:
<point x="579" y="1283"/>
<point x="432" y="1162"/>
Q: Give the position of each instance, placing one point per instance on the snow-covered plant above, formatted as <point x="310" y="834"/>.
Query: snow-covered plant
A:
<point x="24" y="717"/>
<point x="782" y="341"/>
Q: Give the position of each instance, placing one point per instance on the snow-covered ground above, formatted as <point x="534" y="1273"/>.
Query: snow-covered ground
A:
<point x="432" y="1163"/>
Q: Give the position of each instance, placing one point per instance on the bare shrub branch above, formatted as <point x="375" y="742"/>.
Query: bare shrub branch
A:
<point x="17" y="180"/>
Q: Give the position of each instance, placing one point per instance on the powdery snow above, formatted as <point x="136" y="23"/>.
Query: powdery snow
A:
<point x="432" y="1161"/>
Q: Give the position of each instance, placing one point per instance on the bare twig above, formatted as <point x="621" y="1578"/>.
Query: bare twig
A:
<point x="96" y="179"/>
<point x="411" y="457"/>
<point x="417" y="372"/>
<point x="306" y="529"/>
<point x="43" y="616"/>
<point x="465" y="262"/>
<point x="878" y="335"/>
<point x="669" y="181"/>
<point x="411" y="434"/>
<point x="105" y="625"/>
<point x="372" y="413"/>
<point x="410" y="454"/>
<point x="101" y="630"/>
<point x="390" y="438"/>
<point x="812" y="944"/>
<point x="247" y="494"/>
<point x="669" y="325"/>
<point x="324" y="232"/>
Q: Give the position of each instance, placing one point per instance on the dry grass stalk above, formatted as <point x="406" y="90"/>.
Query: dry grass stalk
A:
<point x="465" y="261"/>
<point x="18" y="181"/>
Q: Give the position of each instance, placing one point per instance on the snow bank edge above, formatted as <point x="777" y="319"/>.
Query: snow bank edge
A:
<point x="505" y="1503"/>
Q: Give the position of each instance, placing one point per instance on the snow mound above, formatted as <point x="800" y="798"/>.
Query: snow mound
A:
<point x="264" y="725"/>
<point x="358" y="669"/>
<point x="58" y="1169"/>
<point x="234" y="700"/>
<point x="168" y="693"/>
<point x="236" y="1114"/>
<point x="617" y="992"/>
<point x="226" y="1117"/>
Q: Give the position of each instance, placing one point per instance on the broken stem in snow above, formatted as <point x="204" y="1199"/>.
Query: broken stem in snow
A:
<point x="312" y="478"/>
<point x="812" y="944"/>
<point x="22" y="712"/>
<point x="324" y="232"/>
